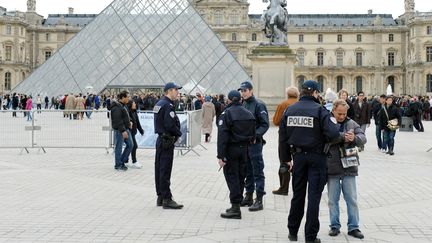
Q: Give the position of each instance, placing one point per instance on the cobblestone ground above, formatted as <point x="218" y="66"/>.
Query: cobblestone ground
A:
<point x="75" y="195"/>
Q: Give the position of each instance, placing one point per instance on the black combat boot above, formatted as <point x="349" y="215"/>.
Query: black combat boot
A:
<point x="258" y="205"/>
<point x="171" y="204"/>
<point x="247" y="200"/>
<point x="233" y="212"/>
<point x="284" y="179"/>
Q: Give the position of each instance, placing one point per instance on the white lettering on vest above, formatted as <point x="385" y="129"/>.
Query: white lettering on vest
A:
<point x="300" y="121"/>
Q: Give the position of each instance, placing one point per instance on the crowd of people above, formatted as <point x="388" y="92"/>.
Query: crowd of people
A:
<point x="320" y="139"/>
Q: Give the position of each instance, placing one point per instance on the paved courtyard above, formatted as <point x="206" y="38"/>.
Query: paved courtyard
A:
<point x="75" y="195"/>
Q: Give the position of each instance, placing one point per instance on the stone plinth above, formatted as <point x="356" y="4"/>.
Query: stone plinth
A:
<point x="272" y="73"/>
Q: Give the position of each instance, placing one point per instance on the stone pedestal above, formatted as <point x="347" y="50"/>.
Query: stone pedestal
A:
<point x="272" y="73"/>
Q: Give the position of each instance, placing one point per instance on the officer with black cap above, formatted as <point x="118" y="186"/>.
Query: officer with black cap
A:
<point x="255" y="179"/>
<point x="305" y="129"/>
<point x="167" y="126"/>
<point x="236" y="131"/>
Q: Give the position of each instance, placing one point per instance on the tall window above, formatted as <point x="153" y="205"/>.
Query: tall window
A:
<point x="47" y="55"/>
<point x="22" y="31"/>
<point x="359" y="38"/>
<point x="320" y="59"/>
<point x="339" y="38"/>
<point x="234" y="37"/>
<point x="391" y="37"/>
<point x="47" y="37"/>
<point x="301" y="58"/>
<point x="300" y="80"/>
<point x="339" y="58"/>
<point x="234" y="18"/>
<point x="429" y="82"/>
<point x="359" y="84"/>
<point x="8" y="54"/>
<point x="339" y="83"/>
<point x="254" y="37"/>
<point x="359" y="59"/>
<point x="320" y="80"/>
<point x="429" y="30"/>
<point x="8" y="30"/>
<point x="8" y="82"/>
<point x="391" y="58"/>
<point x="301" y="38"/>
<point x="391" y="81"/>
<point x="218" y="18"/>
<point x="320" y="38"/>
<point x="429" y="54"/>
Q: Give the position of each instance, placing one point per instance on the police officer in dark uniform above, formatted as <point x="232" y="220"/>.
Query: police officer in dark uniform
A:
<point x="236" y="130"/>
<point x="255" y="179"/>
<point x="305" y="129"/>
<point x="167" y="126"/>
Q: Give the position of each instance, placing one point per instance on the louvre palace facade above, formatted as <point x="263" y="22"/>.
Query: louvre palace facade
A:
<point x="358" y="52"/>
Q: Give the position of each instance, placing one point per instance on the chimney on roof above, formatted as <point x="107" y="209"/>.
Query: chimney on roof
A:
<point x="71" y="10"/>
<point x="370" y="11"/>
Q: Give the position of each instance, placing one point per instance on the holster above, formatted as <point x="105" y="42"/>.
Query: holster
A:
<point x="167" y="141"/>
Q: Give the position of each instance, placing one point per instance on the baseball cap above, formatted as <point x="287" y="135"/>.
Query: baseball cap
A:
<point x="245" y="85"/>
<point x="234" y="95"/>
<point x="311" y="85"/>
<point x="171" y="85"/>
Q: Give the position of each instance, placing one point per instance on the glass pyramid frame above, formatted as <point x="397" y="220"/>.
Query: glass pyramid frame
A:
<point x="140" y="43"/>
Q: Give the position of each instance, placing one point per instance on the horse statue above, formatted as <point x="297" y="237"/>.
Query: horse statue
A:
<point x="275" y="20"/>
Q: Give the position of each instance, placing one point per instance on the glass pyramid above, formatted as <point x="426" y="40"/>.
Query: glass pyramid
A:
<point x="140" y="43"/>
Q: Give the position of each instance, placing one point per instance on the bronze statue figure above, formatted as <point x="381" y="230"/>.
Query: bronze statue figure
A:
<point x="275" y="20"/>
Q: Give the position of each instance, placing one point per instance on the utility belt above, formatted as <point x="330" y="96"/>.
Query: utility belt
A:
<point x="296" y="150"/>
<point x="239" y="144"/>
<point x="167" y="141"/>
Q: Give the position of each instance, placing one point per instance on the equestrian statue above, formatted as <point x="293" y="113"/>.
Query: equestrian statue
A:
<point x="275" y="20"/>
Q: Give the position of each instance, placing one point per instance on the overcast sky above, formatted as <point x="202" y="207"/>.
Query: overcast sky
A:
<point x="394" y="7"/>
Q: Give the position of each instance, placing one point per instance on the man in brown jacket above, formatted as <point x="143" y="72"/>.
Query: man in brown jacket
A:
<point x="284" y="175"/>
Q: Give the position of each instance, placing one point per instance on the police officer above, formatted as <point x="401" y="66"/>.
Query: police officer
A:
<point x="236" y="130"/>
<point x="255" y="179"/>
<point x="304" y="130"/>
<point x="167" y="126"/>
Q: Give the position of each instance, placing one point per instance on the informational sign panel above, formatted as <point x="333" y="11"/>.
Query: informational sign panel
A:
<point x="149" y="138"/>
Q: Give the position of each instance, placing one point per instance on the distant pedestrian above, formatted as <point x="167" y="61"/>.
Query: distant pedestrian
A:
<point x="121" y="123"/>
<point x="208" y="114"/>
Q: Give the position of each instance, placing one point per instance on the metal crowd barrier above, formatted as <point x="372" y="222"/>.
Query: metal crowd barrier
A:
<point x="55" y="129"/>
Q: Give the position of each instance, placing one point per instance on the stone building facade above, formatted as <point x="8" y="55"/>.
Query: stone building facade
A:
<point x="358" y="52"/>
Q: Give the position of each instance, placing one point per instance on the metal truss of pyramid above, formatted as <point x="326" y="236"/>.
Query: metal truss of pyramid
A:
<point x="140" y="43"/>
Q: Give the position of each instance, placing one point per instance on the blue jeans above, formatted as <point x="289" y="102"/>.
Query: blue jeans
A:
<point x="88" y="112"/>
<point x="348" y="186"/>
<point x="121" y="158"/>
<point x="29" y="115"/>
<point x="378" y="135"/>
<point x="255" y="179"/>
<point x="389" y="139"/>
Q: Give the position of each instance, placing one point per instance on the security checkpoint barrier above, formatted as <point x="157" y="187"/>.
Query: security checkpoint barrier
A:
<point x="50" y="129"/>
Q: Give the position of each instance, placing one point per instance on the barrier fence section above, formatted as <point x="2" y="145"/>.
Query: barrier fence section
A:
<point x="190" y="126"/>
<point x="56" y="129"/>
<point x="74" y="129"/>
<point x="15" y="132"/>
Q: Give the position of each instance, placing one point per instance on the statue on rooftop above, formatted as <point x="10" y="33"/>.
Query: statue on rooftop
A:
<point x="31" y="5"/>
<point x="409" y="5"/>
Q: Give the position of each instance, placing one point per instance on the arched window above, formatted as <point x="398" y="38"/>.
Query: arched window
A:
<point x="254" y="37"/>
<point x="218" y="18"/>
<point x="300" y="81"/>
<point x="359" y="84"/>
<point x="391" y="81"/>
<point x="339" y="83"/>
<point x="234" y="18"/>
<point x="234" y="37"/>
<point x="320" y="80"/>
<point x="8" y="81"/>
<point x="429" y="82"/>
